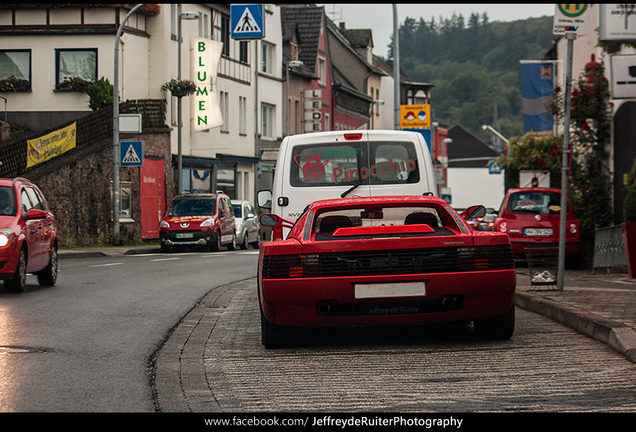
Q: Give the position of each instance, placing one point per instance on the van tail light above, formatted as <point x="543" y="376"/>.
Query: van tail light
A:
<point x="353" y="136"/>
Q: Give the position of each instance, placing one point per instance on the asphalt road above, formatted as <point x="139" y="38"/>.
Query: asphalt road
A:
<point x="84" y="345"/>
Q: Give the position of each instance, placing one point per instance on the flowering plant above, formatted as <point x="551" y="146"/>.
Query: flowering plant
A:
<point x="13" y="84"/>
<point x="180" y="88"/>
<point x="74" y="84"/>
<point x="150" y="10"/>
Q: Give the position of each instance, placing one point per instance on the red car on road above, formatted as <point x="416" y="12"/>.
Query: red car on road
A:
<point x="381" y="261"/>
<point x="28" y="235"/>
<point x="532" y="218"/>
<point x="198" y="220"/>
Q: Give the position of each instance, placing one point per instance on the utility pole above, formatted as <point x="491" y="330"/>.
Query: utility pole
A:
<point x="116" y="154"/>
<point x="565" y="167"/>
<point x="396" y="70"/>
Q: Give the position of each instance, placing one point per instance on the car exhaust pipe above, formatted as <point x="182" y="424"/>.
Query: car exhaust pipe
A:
<point x="453" y="302"/>
<point x="329" y="307"/>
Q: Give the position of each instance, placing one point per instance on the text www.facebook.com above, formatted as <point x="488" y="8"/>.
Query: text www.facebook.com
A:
<point x="329" y="421"/>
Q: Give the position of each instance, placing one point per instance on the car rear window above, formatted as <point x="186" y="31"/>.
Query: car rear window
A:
<point x="350" y="163"/>
<point x="7" y="201"/>
<point x="192" y="207"/>
<point x="534" y="203"/>
<point x="436" y="217"/>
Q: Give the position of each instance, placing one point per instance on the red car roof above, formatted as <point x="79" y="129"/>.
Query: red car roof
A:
<point x="377" y="200"/>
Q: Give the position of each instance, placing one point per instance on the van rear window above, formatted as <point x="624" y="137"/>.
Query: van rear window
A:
<point x="350" y="163"/>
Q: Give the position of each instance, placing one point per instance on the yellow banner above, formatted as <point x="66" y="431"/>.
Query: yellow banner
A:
<point x="415" y="116"/>
<point x="48" y="146"/>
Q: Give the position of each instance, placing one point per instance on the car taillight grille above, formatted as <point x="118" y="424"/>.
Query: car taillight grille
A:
<point x="388" y="262"/>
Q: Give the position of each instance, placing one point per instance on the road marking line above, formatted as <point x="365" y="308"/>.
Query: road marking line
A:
<point x="106" y="265"/>
<point x="165" y="259"/>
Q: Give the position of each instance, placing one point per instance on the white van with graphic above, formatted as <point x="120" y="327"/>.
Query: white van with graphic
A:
<point x="328" y="165"/>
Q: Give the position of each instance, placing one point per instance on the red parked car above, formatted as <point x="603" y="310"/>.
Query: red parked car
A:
<point x="28" y="235"/>
<point x="382" y="261"/>
<point x="531" y="217"/>
<point x="198" y="220"/>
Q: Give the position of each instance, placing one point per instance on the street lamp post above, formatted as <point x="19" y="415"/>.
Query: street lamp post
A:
<point x="116" y="155"/>
<point x="182" y="16"/>
<point x="493" y="130"/>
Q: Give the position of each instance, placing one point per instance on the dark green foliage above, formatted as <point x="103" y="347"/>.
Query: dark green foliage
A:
<point x="473" y="62"/>
<point x="100" y="94"/>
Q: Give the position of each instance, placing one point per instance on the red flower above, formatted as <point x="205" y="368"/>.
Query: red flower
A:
<point x="557" y="89"/>
<point x="585" y="126"/>
<point x="575" y="93"/>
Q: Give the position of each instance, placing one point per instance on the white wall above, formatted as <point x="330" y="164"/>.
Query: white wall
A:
<point x="471" y="186"/>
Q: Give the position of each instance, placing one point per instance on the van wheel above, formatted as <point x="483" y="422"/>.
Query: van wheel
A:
<point x="244" y="244"/>
<point x="215" y="246"/>
<point x="48" y="276"/>
<point x="18" y="281"/>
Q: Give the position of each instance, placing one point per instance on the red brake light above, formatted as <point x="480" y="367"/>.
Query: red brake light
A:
<point x="353" y="136"/>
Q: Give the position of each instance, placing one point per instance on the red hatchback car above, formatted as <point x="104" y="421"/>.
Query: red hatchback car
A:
<point x="28" y="235"/>
<point x="384" y="261"/>
<point x="198" y="220"/>
<point x="532" y="216"/>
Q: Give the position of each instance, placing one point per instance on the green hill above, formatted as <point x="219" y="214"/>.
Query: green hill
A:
<point x="472" y="64"/>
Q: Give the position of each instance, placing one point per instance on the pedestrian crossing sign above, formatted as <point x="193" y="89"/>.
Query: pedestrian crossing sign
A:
<point x="132" y="153"/>
<point x="247" y="21"/>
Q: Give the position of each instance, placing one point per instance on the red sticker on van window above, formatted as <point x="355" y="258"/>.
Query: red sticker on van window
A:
<point x="313" y="167"/>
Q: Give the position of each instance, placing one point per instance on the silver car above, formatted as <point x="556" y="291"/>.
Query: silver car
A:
<point x="248" y="230"/>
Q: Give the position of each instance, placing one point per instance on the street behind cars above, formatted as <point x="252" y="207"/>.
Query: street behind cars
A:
<point x="28" y="235"/>
<point x="383" y="261"/>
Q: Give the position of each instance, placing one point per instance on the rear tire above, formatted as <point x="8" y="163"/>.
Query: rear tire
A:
<point x="499" y="327"/>
<point x="48" y="276"/>
<point x="17" y="283"/>
<point x="274" y="336"/>
<point x="244" y="243"/>
<point x="232" y="245"/>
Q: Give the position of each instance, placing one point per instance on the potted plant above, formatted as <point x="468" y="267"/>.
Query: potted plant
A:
<point x="74" y="84"/>
<point x="180" y="88"/>
<point x="13" y="84"/>
<point x="100" y="94"/>
<point x="629" y="225"/>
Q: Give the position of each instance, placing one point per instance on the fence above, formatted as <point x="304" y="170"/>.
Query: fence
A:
<point x="92" y="128"/>
<point x="609" y="248"/>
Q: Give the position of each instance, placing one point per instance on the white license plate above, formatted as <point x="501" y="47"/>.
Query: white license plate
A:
<point x="539" y="232"/>
<point x="185" y="235"/>
<point x="406" y="289"/>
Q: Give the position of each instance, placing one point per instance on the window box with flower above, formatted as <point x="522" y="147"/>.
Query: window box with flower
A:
<point x="75" y="84"/>
<point x="13" y="84"/>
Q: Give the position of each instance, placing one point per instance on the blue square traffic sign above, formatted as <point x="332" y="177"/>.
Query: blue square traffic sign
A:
<point x="132" y="153"/>
<point x="247" y="21"/>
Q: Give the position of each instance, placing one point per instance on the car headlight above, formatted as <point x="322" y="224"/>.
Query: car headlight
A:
<point x="164" y="224"/>
<point x="207" y="222"/>
<point x="5" y="236"/>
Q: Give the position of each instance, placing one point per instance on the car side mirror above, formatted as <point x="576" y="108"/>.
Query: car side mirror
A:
<point x="35" y="214"/>
<point x="276" y="223"/>
<point x="265" y="199"/>
<point x="473" y="212"/>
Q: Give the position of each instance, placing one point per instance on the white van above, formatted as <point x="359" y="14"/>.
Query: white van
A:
<point x="328" y="165"/>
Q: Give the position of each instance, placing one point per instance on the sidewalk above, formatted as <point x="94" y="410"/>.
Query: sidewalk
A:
<point x="602" y="306"/>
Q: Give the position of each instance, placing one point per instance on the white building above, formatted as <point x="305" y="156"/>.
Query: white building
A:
<point x="42" y="45"/>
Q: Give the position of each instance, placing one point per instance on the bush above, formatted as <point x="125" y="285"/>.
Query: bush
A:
<point x="100" y="94"/>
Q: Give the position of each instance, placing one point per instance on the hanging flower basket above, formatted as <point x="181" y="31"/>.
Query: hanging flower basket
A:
<point x="180" y="88"/>
<point x="13" y="84"/>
